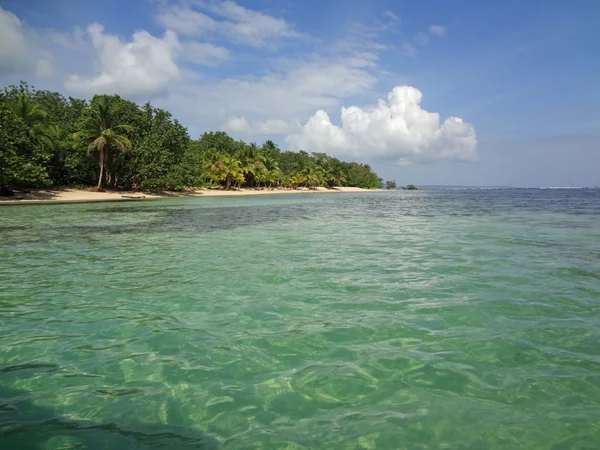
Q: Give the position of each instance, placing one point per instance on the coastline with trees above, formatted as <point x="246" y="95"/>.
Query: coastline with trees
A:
<point x="109" y="143"/>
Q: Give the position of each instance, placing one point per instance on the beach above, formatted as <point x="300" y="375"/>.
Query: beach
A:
<point x="84" y="196"/>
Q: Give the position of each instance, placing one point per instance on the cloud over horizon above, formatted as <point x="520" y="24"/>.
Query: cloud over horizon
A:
<point x="398" y="130"/>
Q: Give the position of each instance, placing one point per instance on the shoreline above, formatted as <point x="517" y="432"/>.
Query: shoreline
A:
<point x="62" y="196"/>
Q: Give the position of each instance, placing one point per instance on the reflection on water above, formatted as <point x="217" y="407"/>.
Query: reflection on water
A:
<point x="27" y="426"/>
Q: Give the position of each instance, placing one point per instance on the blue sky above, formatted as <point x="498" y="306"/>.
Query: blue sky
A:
<point x="472" y="92"/>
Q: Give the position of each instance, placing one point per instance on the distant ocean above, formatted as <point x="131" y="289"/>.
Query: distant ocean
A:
<point x="442" y="187"/>
<point x="446" y="318"/>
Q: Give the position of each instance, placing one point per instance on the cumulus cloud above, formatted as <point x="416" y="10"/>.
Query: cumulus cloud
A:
<point x="397" y="130"/>
<point x="72" y="41"/>
<point x="14" y="47"/>
<point x="229" y="20"/>
<point x="140" y="68"/>
<point x="20" y="52"/>
<point x="437" y="30"/>
<point x="271" y="127"/>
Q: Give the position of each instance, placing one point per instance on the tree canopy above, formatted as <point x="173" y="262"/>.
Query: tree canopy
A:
<point x="49" y="140"/>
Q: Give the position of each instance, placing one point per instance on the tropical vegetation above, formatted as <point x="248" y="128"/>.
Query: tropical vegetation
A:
<point x="410" y="187"/>
<point x="109" y="142"/>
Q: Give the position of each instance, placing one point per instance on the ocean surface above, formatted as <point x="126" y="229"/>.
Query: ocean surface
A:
<point x="443" y="319"/>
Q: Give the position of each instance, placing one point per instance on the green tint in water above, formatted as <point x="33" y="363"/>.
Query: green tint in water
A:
<point x="427" y="320"/>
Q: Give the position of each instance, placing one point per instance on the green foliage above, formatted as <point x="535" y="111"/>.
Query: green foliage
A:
<point x="47" y="139"/>
<point x="390" y="184"/>
<point x="101" y="129"/>
<point x="224" y="168"/>
<point x="159" y="152"/>
<point x="21" y="162"/>
<point x="361" y="175"/>
<point x="410" y="187"/>
<point x="64" y="166"/>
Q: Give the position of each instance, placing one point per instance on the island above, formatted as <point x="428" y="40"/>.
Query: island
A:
<point x="53" y="147"/>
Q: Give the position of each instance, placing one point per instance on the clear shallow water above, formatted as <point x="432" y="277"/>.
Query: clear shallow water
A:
<point x="389" y="320"/>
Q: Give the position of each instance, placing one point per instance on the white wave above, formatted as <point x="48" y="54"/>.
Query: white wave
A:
<point x="563" y="187"/>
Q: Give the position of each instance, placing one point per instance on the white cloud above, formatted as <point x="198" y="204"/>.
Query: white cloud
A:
<point x="20" y="52"/>
<point x="271" y="127"/>
<point x="252" y="26"/>
<point x="204" y="53"/>
<point x="185" y="20"/>
<point x="390" y="15"/>
<point x="291" y="90"/>
<point x="142" y="67"/>
<point x="44" y="69"/>
<point x="398" y="130"/>
<point x="437" y="30"/>
<point x="242" y="25"/>
<point x="409" y="49"/>
<point x="334" y="78"/>
<point x="73" y="41"/>
<point x="13" y="50"/>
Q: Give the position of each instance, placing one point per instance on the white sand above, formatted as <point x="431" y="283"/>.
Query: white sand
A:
<point x="75" y="195"/>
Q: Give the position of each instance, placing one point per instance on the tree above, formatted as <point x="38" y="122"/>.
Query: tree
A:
<point x="410" y="187"/>
<point x="269" y="148"/>
<point x="40" y="132"/>
<point x="101" y="130"/>
<point x="21" y="162"/>
<point x="362" y="176"/>
<point x="390" y="184"/>
<point x="157" y="160"/>
<point x="314" y="176"/>
<point x="34" y="117"/>
<point x="272" y="171"/>
<point x="297" y="180"/>
<point x="225" y="168"/>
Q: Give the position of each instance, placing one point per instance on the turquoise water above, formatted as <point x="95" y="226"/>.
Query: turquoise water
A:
<point x="386" y="320"/>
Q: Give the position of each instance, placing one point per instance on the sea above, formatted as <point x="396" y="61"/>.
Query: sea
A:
<point x="418" y="320"/>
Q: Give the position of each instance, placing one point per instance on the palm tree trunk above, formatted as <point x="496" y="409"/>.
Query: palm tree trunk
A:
<point x="101" y="161"/>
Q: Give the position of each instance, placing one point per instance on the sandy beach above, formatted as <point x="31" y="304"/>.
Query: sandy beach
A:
<point x="76" y="195"/>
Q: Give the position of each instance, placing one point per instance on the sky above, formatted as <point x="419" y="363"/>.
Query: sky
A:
<point x="462" y="92"/>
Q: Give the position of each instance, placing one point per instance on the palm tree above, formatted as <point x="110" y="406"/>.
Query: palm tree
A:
<point x="271" y="169"/>
<point x="297" y="180"/>
<point x="254" y="164"/>
<point x="261" y="173"/>
<point x="313" y="176"/>
<point x="101" y="131"/>
<point x="225" y="168"/>
<point x="35" y="118"/>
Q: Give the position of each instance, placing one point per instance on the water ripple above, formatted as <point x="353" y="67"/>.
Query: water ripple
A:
<point x="384" y="320"/>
